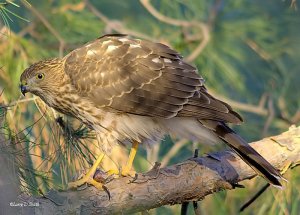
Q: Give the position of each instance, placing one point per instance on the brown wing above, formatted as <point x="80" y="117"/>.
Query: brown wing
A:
<point x="143" y="78"/>
<point x="205" y="106"/>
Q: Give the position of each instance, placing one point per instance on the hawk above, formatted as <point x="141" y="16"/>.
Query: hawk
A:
<point x="136" y="90"/>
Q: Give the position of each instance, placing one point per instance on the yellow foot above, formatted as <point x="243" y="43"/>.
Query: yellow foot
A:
<point x="83" y="181"/>
<point x="89" y="176"/>
<point x="124" y="172"/>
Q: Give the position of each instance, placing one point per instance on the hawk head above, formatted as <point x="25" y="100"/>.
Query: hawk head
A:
<point x="41" y="77"/>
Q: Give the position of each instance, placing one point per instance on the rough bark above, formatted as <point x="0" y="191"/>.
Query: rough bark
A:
<point x="190" y="180"/>
<point x="9" y="185"/>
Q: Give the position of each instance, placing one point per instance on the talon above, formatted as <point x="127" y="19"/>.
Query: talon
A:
<point x="107" y="191"/>
<point x="88" y="177"/>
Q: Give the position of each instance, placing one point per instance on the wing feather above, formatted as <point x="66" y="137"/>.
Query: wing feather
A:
<point x="143" y="78"/>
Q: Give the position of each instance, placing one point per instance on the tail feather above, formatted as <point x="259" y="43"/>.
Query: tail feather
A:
<point x="246" y="152"/>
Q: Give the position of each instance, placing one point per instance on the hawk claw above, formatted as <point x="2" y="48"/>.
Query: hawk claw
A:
<point x="88" y="178"/>
<point x="83" y="181"/>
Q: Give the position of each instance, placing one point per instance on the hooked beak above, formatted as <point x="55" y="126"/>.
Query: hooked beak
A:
<point x="23" y="89"/>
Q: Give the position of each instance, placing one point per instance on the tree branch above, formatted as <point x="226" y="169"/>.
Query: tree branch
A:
<point x="190" y="180"/>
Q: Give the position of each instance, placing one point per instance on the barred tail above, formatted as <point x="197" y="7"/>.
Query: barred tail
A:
<point x="246" y="152"/>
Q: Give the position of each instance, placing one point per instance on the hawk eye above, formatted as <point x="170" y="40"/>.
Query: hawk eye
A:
<point x="40" y="76"/>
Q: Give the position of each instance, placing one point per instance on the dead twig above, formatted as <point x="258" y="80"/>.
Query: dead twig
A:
<point x="271" y="116"/>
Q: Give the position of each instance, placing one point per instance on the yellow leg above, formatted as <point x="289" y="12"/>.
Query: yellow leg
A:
<point x="88" y="178"/>
<point x="126" y="170"/>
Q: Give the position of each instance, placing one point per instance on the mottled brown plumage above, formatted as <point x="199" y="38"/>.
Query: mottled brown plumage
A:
<point x="136" y="90"/>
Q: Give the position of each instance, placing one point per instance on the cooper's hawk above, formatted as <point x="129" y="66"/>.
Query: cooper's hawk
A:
<point x="138" y="91"/>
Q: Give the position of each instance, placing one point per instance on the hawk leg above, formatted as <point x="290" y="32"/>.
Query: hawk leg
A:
<point x="126" y="170"/>
<point x="88" y="177"/>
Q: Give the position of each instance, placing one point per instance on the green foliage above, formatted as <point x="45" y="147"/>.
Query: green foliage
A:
<point x="253" y="50"/>
<point x="8" y="14"/>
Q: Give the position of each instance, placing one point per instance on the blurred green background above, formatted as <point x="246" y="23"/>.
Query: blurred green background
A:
<point x="247" y="51"/>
